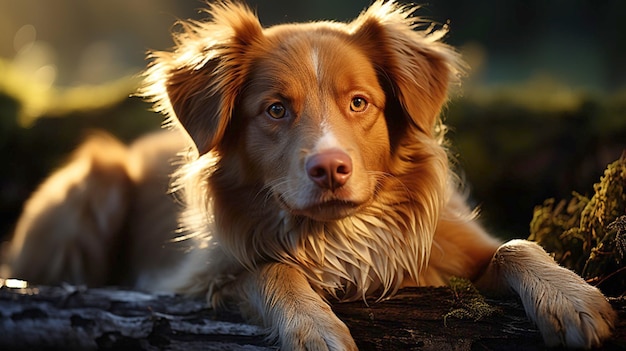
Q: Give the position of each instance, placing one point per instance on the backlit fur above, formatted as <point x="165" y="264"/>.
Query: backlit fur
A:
<point x="406" y="188"/>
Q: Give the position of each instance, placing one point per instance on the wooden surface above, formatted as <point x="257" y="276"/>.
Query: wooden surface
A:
<point x="66" y="318"/>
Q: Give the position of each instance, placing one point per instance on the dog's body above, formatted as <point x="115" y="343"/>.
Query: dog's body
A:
<point x="318" y="172"/>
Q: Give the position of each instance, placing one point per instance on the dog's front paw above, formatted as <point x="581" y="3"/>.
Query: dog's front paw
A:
<point x="574" y="314"/>
<point x="319" y="331"/>
<point x="566" y="309"/>
<point x="280" y="298"/>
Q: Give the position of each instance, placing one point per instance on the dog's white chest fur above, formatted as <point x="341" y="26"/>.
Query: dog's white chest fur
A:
<point x="370" y="254"/>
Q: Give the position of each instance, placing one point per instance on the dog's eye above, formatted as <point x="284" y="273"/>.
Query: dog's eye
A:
<point x="358" y="104"/>
<point x="276" y="111"/>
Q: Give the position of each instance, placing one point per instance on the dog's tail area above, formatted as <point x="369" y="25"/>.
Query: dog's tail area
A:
<point x="69" y="227"/>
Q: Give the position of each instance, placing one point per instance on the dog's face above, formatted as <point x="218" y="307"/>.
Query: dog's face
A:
<point x="317" y="114"/>
<point x="313" y="123"/>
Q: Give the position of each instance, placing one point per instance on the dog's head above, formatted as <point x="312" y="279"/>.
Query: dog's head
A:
<point x="317" y="114"/>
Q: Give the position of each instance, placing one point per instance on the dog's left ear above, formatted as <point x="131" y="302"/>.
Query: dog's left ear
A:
<point x="417" y="65"/>
<point x="197" y="84"/>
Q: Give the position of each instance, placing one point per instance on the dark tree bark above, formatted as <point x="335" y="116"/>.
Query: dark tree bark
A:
<point x="113" y="319"/>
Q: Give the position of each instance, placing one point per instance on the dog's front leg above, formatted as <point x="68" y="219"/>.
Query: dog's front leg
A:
<point x="566" y="309"/>
<point x="280" y="298"/>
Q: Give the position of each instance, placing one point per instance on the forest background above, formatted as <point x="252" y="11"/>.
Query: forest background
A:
<point x="541" y="114"/>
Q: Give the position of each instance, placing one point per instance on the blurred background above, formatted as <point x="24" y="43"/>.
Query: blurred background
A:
<point x="541" y="114"/>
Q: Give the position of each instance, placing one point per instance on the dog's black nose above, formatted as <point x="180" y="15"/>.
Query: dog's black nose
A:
<point x="329" y="169"/>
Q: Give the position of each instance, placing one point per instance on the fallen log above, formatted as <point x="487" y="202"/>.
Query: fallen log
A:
<point x="78" y="318"/>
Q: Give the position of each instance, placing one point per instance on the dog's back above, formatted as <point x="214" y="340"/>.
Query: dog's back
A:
<point x="103" y="218"/>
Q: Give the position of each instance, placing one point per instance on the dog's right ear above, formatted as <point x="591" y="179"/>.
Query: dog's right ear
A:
<point x="198" y="82"/>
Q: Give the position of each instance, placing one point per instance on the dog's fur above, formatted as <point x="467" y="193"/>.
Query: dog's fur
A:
<point x="318" y="171"/>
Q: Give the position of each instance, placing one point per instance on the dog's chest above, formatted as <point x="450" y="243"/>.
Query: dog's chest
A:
<point x="368" y="255"/>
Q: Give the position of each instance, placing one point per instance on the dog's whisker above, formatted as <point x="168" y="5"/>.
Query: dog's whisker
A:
<point x="268" y="189"/>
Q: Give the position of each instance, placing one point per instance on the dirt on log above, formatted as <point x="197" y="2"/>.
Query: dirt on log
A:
<point x="77" y="318"/>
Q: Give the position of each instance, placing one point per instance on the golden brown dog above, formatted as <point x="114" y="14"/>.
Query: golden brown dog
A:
<point x="317" y="172"/>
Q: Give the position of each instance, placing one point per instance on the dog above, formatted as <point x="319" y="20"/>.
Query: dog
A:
<point x="312" y="167"/>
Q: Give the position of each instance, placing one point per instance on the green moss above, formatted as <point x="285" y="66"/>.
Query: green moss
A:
<point x="588" y="235"/>
<point x="468" y="302"/>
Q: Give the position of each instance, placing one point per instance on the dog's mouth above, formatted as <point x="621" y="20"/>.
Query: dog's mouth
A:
<point x="325" y="210"/>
